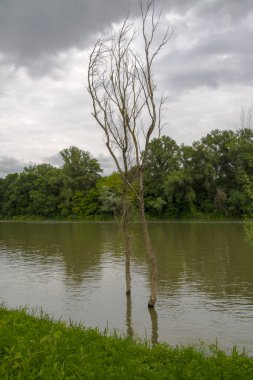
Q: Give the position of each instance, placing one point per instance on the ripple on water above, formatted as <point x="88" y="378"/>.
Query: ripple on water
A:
<point x="77" y="271"/>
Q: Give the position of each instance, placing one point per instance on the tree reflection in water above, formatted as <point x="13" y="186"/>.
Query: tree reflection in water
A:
<point x="153" y="318"/>
<point x="154" y="325"/>
<point x="248" y="232"/>
<point x="129" y="327"/>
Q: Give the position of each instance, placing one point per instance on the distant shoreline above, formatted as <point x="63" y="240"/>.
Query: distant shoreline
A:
<point x="99" y="219"/>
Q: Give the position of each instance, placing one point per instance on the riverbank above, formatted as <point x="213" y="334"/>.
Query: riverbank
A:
<point x="103" y="218"/>
<point x="39" y="347"/>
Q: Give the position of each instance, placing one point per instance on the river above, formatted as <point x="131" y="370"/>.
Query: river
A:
<point x="76" y="271"/>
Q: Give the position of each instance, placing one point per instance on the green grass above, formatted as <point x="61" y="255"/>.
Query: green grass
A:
<point x="41" y="348"/>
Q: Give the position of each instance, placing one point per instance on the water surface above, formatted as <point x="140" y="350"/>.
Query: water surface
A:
<point x="76" y="271"/>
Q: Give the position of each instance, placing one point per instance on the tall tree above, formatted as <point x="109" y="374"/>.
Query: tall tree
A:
<point x="83" y="170"/>
<point x="163" y="158"/>
<point x="122" y="89"/>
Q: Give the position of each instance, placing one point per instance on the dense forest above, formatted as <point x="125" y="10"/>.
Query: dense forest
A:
<point x="211" y="178"/>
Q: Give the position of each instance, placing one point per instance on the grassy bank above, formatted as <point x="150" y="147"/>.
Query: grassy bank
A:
<point x="40" y="348"/>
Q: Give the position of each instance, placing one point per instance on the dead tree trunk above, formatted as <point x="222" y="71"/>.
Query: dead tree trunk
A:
<point x="127" y="237"/>
<point x="148" y="245"/>
<point x="122" y="90"/>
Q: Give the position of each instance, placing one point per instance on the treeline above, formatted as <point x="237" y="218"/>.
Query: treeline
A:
<point x="75" y="190"/>
<point x="212" y="177"/>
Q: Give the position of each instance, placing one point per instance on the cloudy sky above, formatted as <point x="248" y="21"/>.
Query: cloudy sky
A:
<point x="206" y="70"/>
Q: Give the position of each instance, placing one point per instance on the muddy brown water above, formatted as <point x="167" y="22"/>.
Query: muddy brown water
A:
<point x="76" y="271"/>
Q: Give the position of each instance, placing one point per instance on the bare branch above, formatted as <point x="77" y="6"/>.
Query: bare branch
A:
<point x="122" y="89"/>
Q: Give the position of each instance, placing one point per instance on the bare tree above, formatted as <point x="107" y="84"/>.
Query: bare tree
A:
<point x="122" y="89"/>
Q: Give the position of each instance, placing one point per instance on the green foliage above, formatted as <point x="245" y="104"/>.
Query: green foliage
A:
<point x="82" y="170"/>
<point x="179" y="193"/>
<point x="49" y="192"/>
<point x="248" y="231"/>
<point x="35" y="191"/>
<point x="85" y="203"/>
<point x="110" y="194"/>
<point x="212" y="177"/>
<point x="163" y="157"/>
<point x="40" y="348"/>
<point x="47" y="184"/>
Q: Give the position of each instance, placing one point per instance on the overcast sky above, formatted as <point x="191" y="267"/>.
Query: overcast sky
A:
<point x="206" y="70"/>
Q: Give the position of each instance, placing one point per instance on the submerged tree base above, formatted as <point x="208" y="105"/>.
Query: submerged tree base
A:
<point x="41" y="348"/>
<point x="151" y="305"/>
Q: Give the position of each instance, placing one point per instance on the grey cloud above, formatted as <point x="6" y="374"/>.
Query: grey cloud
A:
<point x="107" y="163"/>
<point x="186" y="71"/>
<point x="211" y="49"/>
<point x="11" y="165"/>
<point x="183" y="6"/>
<point x="224" y="9"/>
<point x="217" y="40"/>
<point x="207" y="73"/>
<point x="210" y="10"/>
<point x="217" y="54"/>
<point x="31" y="30"/>
<point x="55" y="160"/>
